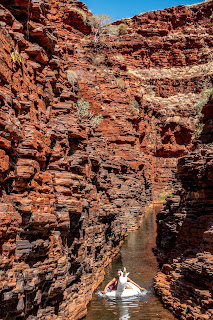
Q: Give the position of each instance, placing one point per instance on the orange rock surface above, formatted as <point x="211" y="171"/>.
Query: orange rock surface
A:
<point x="70" y="191"/>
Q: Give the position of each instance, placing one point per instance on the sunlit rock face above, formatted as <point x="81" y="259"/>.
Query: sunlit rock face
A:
<point x="70" y="190"/>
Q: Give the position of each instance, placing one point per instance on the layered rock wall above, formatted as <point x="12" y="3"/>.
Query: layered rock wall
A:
<point x="185" y="234"/>
<point x="71" y="190"/>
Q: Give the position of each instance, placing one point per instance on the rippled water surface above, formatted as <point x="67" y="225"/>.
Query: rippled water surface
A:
<point x="136" y="255"/>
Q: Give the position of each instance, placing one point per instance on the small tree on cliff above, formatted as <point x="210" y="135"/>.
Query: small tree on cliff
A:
<point x="97" y="23"/>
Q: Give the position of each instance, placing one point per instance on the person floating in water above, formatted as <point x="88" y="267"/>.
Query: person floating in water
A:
<point x="112" y="285"/>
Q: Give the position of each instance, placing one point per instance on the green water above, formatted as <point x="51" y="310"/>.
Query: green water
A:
<point x="136" y="255"/>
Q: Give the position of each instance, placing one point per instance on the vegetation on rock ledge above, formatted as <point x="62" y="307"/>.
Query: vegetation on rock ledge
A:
<point x="83" y="109"/>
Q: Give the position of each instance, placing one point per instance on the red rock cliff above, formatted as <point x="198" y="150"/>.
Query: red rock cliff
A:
<point x="70" y="190"/>
<point x="185" y="234"/>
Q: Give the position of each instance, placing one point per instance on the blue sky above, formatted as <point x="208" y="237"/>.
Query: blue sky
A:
<point x="118" y="9"/>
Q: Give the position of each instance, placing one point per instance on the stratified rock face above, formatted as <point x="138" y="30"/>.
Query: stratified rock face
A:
<point x="207" y="120"/>
<point x="69" y="191"/>
<point x="185" y="236"/>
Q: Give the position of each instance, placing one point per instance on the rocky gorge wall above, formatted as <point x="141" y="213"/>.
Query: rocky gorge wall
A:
<point x="185" y="233"/>
<point x="71" y="190"/>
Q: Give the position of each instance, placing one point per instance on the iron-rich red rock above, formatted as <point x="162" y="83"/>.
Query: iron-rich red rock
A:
<point x="185" y="234"/>
<point x="70" y="191"/>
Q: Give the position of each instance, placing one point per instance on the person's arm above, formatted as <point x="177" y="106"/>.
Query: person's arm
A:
<point x="128" y="279"/>
<point x="108" y="284"/>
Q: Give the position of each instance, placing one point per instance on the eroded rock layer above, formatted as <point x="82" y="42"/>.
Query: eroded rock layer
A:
<point x="71" y="190"/>
<point x="185" y="234"/>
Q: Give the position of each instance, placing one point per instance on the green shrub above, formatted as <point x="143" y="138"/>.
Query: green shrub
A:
<point x="206" y="94"/>
<point x="199" y="106"/>
<point x="95" y="121"/>
<point x="122" y="29"/>
<point x="198" y="128"/>
<point x="163" y="196"/>
<point x="115" y="30"/>
<point x="83" y="109"/>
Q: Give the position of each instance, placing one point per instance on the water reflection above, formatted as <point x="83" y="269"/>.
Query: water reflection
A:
<point x="136" y="255"/>
<point x="124" y="312"/>
<point x="122" y="309"/>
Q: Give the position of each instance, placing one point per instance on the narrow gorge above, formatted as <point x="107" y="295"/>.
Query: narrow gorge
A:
<point x="92" y="131"/>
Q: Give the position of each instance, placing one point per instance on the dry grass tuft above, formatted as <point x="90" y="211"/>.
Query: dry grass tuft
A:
<point x="99" y="59"/>
<point x="120" y="83"/>
<point x="119" y="57"/>
<point x="122" y="29"/>
<point x="80" y="12"/>
<point x="173" y="73"/>
<point x="72" y="77"/>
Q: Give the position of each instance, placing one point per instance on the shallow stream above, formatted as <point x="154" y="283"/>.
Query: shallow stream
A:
<point x="136" y="255"/>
